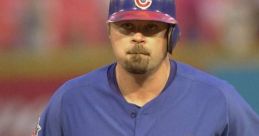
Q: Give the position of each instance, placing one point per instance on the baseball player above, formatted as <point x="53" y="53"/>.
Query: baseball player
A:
<point x="145" y="93"/>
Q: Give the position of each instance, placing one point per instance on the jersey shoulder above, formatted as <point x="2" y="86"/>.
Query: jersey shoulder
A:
<point x="195" y="75"/>
<point x="93" y="79"/>
<point x="209" y="85"/>
<point x="206" y="84"/>
<point x="98" y="76"/>
<point x="71" y="94"/>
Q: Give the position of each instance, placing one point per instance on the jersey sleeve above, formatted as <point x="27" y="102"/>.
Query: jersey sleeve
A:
<point x="242" y="119"/>
<point x="50" y="122"/>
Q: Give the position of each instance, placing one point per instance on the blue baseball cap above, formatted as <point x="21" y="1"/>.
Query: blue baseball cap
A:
<point x="153" y="10"/>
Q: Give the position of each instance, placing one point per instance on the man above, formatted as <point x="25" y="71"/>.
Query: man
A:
<point x="145" y="93"/>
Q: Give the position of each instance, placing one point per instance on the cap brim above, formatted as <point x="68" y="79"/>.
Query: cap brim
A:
<point x="142" y="15"/>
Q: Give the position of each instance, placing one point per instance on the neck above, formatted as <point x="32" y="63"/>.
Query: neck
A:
<point x="139" y="89"/>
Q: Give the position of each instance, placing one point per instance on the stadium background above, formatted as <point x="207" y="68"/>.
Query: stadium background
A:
<point x="45" y="43"/>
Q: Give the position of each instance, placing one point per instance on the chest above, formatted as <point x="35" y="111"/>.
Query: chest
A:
<point x="116" y="120"/>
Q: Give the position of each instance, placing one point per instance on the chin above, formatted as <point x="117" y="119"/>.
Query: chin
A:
<point x="139" y="66"/>
<point x="137" y="71"/>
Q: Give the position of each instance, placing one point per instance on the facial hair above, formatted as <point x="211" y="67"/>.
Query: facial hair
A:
<point x="138" y="61"/>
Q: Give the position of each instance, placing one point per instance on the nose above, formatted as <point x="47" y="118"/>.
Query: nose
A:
<point x="138" y="37"/>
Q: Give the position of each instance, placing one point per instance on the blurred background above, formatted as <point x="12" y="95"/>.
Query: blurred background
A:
<point x="43" y="43"/>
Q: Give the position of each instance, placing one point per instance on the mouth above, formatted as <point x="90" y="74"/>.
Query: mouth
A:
<point x="138" y="50"/>
<point x="138" y="53"/>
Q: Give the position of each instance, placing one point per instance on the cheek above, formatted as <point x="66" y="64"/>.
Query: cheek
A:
<point x="119" y="45"/>
<point x="158" y="45"/>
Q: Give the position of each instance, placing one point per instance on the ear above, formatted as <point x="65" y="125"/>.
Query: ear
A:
<point x="173" y="38"/>
<point x="108" y="28"/>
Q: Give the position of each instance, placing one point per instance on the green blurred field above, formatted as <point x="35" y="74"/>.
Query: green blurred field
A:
<point x="67" y="62"/>
<point x="52" y="64"/>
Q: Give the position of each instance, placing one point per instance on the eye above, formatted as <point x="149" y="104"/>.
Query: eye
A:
<point x="127" y="26"/>
<point x="151" y="29"/>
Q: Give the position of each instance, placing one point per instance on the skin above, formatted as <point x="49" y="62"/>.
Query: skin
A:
<point x="143" y="65"/>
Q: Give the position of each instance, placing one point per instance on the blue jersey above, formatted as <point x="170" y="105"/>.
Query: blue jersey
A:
<point x="192" y="103"/>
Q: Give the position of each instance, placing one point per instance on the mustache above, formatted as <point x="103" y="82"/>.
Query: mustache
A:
<point x="138" y="49"/>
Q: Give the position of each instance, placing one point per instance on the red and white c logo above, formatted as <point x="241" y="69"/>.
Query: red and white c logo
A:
<point x="143" y="4"/>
